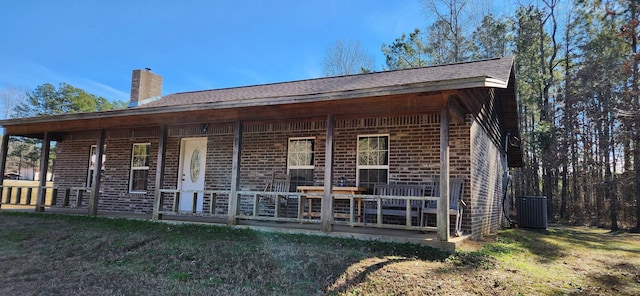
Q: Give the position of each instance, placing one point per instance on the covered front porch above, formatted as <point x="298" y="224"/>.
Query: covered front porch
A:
<point x="239" y="193"/>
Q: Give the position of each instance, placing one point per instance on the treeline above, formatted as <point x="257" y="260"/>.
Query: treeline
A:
<point x="24" y="153"/>
<point x="577" y="79"/>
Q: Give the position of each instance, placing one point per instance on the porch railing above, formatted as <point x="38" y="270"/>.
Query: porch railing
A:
<point x="170" y="202"/>
<point x="412" y="204"/>
<point x="268" y="206"/>
<point x="349" y="209"/>
<point x="26" y="195"/>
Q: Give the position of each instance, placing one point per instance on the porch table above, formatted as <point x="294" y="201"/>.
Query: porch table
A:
<point x="320" y="190"/>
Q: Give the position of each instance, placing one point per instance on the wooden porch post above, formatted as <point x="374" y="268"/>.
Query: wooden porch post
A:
<point x="44" y="167"/>
<point x="443" y="203"/>
<point x="326" y="213"/>
<point x="97" y="174"/>
<point x="235" y="174"/>
<point x="3" y="161"/>
<point x="162" y="147"/>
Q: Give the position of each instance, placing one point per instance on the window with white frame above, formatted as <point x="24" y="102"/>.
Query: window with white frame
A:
<point x="139" y="167"/>
<point x="373" y="160"/>
<point x="92" y="163"/>
<point x="300" y="161"/>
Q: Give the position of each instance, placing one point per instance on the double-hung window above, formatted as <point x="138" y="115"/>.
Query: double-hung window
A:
<point x="373" y="160"/>
<point x="139" y="167"/>
<point x="92" y="163"/>
<point x="301" y="161"/>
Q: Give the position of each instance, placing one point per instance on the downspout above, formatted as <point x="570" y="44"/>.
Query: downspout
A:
<point x="506" y="178"/>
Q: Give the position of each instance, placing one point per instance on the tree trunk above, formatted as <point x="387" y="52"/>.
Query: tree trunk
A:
<point x="574" y="178"/>
<point x="534" y="160"/>
<point x="545" y="112"/>
<point x="563" y="193"/>
<point x="633" y="7"/>
<point x="609" y="179"/>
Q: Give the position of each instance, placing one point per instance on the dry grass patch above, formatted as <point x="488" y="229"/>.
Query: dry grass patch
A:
<point x="73" y="255"/>
<point x="54" y="254"/>
<point x="561" y="261"/>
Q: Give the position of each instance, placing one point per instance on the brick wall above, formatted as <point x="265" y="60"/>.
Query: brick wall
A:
<point x="414" y="150"/>
<point x="72" y="163"/>
<point x="264" y="150"/>
<point x="144" y="85"/>
<point x="115" y="193"/>
<point x="414" y="146"/>
<point x="486" y="184"/>
<point x="218" y="158"/>
<point x="72" y="166"/>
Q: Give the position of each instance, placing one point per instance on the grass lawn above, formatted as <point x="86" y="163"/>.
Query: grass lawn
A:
<point x="46" y="254"/>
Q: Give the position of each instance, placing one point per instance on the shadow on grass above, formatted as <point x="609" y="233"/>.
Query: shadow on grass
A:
<point x="614" y="254"/>
<point x="618" y="278"/>
<point x="611" y="241"/>
<point x="129" y="256"/>
<point x="514" y="240"/>
<point x="361" y="276"/>
<point x="555" y="243"/>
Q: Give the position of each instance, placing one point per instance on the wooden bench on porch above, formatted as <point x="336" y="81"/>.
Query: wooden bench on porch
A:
<point x="416" y="208"/>
<point x="397" y="206"/>
<point x="456" y="203"/>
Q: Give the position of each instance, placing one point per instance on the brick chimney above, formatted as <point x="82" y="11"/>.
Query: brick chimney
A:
<point x="146" y="87"/>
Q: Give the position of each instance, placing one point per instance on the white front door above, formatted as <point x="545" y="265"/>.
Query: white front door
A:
<point x="193" y="153"/>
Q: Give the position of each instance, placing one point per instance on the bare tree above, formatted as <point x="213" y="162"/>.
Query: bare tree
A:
<point x="450" y="15"/>
<point x="10" y="97"/>
<point x="345" y="58"/>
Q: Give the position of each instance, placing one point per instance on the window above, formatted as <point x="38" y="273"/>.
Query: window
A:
<point x="139" y="167"/>
<point x="92" y="163"/>
<point x="301" y="161"/>
<point x="373" y="160"/>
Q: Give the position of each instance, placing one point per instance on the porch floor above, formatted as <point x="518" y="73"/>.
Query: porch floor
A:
<point x="429" y="239"/>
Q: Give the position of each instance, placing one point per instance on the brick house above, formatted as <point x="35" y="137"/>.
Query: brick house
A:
<point x="215" y="154"/>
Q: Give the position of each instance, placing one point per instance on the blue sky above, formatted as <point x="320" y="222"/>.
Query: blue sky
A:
<point x="194" y="45"/>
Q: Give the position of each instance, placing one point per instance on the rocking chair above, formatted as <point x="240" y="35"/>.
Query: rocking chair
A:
<point x="278" y="184"/>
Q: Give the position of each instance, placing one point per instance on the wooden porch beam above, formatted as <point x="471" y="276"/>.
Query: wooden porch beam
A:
<point x="326" y="214"/>
<point x="409" y="104"/>
<point x="97" y="175"/>
<point x="235" y="173"/>
<point x="443" y="203"/>
<point x="3" y="162"/>
<point x="44" y="166"/>
<point x="162" y="148"/>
